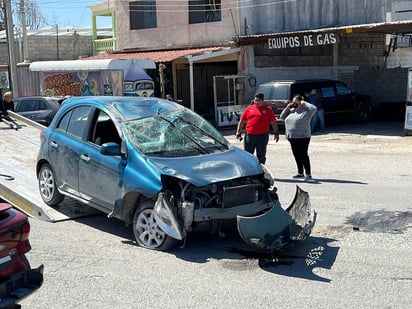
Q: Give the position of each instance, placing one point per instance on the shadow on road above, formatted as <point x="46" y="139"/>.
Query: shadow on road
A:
<point x="319" y="181"/>
<point x="383" y="128"/>
<point x="232" y="252"/>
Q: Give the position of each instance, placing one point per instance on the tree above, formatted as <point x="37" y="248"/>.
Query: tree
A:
<point x="34" y="17"/>
<point x="2" y="15"/>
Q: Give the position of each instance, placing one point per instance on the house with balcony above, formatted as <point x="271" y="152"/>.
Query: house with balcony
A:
<point x="191" y="42"/>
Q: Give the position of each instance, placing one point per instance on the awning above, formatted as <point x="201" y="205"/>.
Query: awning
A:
<point x="163" y="55"/>
<point x="89" y="65"/>
<point x="395" y="28"/>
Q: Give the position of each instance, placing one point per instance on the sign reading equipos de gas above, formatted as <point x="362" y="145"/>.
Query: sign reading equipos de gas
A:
<point x="303" y="40"/>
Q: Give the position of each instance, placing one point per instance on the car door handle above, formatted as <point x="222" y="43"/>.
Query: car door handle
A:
<point x="85" y="157"/>
<point x="54" y="144"/>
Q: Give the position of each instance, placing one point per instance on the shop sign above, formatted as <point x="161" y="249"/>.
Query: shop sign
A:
<point x="303" y="40"/>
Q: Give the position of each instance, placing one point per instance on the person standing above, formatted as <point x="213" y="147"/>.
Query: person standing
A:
<point x="258" y="118"/>
<point x="8" y="104"/>
<point x="319" y="116"/>
<point x="297" y="116"/>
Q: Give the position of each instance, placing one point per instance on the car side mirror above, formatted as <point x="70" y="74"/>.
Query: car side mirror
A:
<point x="110" y="149"/>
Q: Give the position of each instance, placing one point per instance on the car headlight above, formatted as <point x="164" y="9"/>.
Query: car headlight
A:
<point x="268" y="175"/>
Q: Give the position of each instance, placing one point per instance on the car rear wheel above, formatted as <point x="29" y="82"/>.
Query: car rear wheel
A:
<point x="362" y="115"/>
<point x="146" y="231"/>
<point x="47" y="186"/>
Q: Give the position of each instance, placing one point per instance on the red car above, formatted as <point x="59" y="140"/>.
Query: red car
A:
<point x="17" y="279"/>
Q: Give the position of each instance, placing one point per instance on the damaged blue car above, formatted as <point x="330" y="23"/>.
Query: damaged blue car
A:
<point x="164" y="170"/>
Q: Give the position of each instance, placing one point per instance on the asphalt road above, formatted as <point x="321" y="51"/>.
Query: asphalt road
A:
<point x="359" y="254"/>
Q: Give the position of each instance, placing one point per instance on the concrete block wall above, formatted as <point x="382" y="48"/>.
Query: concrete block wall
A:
<point x="42" y="48"/>
<point x="45" y="47"/>
<point x="384" y="86"/>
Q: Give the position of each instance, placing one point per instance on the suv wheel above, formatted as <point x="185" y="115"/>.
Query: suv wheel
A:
<point x="362" y="115"/>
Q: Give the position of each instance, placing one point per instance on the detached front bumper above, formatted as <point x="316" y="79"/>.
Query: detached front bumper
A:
<point x="277" y="228"/>
<point x="20" y="285"/>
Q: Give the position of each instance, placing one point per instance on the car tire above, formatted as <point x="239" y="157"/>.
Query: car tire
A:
<point x="362" y="115"/>
<point x="47" y="186"/>
<point x="146" y="231"/>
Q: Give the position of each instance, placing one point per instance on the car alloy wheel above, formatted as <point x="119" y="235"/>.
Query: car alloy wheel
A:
<point x="147" y="232"/>
<point x="47" y="185"/>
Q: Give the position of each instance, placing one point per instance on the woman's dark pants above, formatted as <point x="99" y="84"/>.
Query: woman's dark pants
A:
<point x="300" y="148"/>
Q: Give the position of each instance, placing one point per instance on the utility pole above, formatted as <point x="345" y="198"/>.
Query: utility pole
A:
<point x="23" y="25"/>
<point x="11" y="49"/>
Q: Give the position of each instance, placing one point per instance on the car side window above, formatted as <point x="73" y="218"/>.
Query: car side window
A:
<point x="64" y="122"/>
<point x="75" y="121"/>
<point x="41" y="106"/>
<point x="328" y="92"/>
<point x="26" y="106"/>
<point x="341" y="89"/>
<point x="104" y="130"/>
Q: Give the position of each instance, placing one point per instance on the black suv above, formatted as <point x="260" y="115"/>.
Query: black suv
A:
<point x="340" y="102"/>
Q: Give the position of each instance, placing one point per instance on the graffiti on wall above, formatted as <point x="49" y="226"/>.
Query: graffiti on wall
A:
<point x="72" y="84"/>
<point x="4" y="80"/>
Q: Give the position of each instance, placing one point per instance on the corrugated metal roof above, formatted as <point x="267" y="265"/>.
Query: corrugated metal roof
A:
<point x="158" y="56"/>
<point x="88" y="65"/>
<point x="396" y="28"/>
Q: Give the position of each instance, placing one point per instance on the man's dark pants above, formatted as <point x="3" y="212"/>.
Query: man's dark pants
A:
<point x="259" y="143"/>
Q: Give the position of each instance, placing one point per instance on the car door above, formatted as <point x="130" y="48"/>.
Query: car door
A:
<point x="66" y="146"/>
<point x="330" y="101"/>
<point x="100" y="176"/>
<point x="346" y="97"/>
<point x="30" y="108"/>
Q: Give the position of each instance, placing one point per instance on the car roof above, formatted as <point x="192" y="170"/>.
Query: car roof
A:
<point x="125" y="107"/>
<point x="53" y="98"/>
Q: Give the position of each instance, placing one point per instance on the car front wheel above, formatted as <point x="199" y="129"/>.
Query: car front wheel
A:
<point x="47" y="186"/>
<point x="146" y="231"/>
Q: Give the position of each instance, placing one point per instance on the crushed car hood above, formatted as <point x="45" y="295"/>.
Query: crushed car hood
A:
<point x="210" y="168"/>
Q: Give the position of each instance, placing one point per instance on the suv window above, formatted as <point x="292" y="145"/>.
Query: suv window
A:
<point x="341" y="89"/>
<point x="327" y="92"/>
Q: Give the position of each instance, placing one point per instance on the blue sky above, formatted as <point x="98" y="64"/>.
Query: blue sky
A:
<point x="68" y="13"/>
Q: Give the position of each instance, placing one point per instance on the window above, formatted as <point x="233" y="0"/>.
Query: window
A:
<point x="204" y="11"/>
<point x="327" y="92"/>
<point x="75" y="121"/>
<point x="142" y="15"/>
<point x="341" y="89"/>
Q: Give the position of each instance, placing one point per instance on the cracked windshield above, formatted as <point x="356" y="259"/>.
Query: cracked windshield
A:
<point x="175" y="134"/>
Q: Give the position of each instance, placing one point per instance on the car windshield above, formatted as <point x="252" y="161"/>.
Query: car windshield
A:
<point x="176" y="134"/>
<point x="275" y="91"/>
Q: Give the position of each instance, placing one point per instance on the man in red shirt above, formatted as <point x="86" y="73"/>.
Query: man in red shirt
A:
<point x="258" y="118"/>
